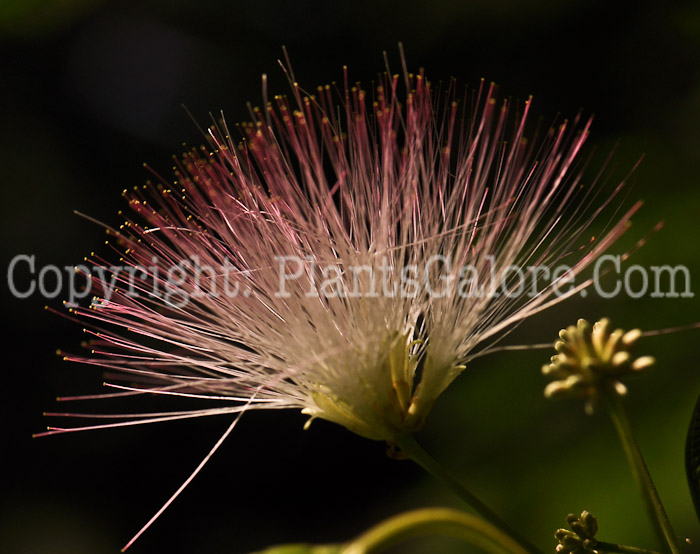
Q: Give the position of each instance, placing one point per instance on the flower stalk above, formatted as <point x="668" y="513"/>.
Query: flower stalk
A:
<point x="414" y="451"/>
<point x="434" y="521"/>
<point x="610" y="547"/>
<point x="652" y="501"/>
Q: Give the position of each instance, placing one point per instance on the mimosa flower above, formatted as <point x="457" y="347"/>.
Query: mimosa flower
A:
<point x="254" y="278"/>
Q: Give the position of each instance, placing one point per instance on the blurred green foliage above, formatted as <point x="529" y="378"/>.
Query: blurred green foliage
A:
<point x="32" y="19"/>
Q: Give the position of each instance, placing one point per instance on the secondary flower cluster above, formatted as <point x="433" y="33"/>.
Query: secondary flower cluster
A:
<point x="580" y="537"/>
<point x="593" y="360"/>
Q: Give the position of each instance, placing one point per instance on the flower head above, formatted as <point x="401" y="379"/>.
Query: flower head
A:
<point x="347" y="256"/>
<point x="593" y="359"/>
<point x="580" y="537"/>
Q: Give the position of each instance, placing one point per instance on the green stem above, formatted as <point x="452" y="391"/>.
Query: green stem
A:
<point x="415" y="452"/>
<point x="434" y="521"/>
<point x="657" y="514"/>
<point x="623" y="549"/>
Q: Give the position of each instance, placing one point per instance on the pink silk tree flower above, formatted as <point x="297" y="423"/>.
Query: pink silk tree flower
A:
<point x="347" y="255"/>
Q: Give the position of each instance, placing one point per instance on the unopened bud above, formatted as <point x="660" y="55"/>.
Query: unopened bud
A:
<point x="593" y="359"/>
<point x="579" y="538"/>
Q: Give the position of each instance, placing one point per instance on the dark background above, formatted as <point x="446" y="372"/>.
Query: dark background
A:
<point x="90" y="90"/>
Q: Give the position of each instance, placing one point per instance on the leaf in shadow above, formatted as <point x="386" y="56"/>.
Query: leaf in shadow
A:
<point x="692" y="457"/>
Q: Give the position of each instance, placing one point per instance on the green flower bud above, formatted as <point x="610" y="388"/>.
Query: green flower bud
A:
<point x="591" y="360"/>
<point x="580" y="537"/>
